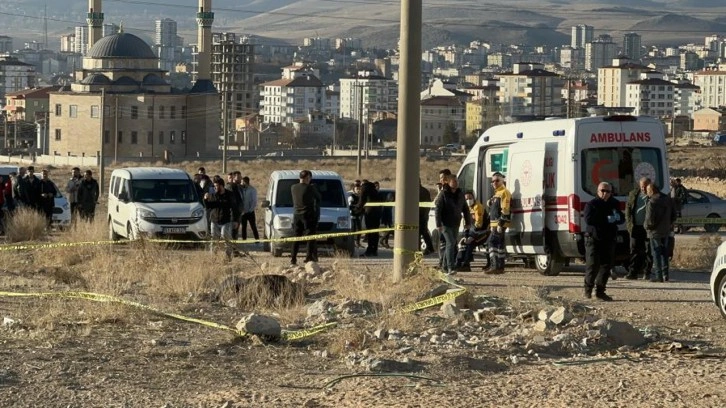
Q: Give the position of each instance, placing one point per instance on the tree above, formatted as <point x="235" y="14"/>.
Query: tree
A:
<point x="451" y="133"/>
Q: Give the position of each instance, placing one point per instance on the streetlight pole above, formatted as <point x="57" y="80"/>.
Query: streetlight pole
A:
<point x="102" y="152"/>
<point x="224" y="131"/>
<point x="359" y="89"/>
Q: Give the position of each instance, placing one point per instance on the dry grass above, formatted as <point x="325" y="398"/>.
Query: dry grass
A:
<point x="700" y="257"/>
<point x="25" y="225"/>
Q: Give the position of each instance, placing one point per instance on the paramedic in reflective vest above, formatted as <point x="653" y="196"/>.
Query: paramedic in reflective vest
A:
<point x="602" y="217"/>
<point x="500" y="207"/>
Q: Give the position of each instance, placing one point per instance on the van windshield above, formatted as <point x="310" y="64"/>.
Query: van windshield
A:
<point x="622" y="167"/>
<point x="331" y="190"/>
<point x="166" y="191"/>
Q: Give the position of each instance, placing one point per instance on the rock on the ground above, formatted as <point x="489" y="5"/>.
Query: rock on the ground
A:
<point x="560" y="316"/>
<point x="464" y="301"/>
<point x="541" y="326"/>
<point x="450" y="310"/>
<point x="437" y="291"/>
<point x="318" y="308"/>
<point x="261" y="325"/>
<point x="620" y="333"/>
<point x="544" y="314"/>
<point x="380" y="334"/>
<point x="313" y="269"/>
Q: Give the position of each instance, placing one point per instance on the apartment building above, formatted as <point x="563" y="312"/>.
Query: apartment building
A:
<point x="438" y="113"/>
<point x="529" y="91"/>
<point x="15" y="75"/>
<point x="599" y="53"/>
<point x="687" y="99"/>
<point x="632" y="46"/>
<point x="581" y="35"/>
<point x="379" y="94"/>
<point x="287" y="99"/>
<point x="612" y="80"/>
<point x="712" y="84"/>
<point x="651" y="97"/>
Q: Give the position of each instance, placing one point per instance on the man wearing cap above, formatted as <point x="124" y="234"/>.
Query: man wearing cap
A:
<point x="500" y="208"/>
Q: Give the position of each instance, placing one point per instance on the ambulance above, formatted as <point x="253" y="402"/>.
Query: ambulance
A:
<point x="553" y="168"/>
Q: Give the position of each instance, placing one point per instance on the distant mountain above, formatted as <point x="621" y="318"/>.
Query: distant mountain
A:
<point x="675" y="26"/>
<point x="535" y="22"/>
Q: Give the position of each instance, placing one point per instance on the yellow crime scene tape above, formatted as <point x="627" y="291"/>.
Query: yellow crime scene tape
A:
<point x="704" y="220"/>
<point x="422" y="204"/>
<point x="96" y="297"/>
<point x="16" y="247"/>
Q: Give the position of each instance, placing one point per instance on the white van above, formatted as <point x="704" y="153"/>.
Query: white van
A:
<point x="334" y="213"/>
<point x="155" y="201"/>
<point x="553" y="168"/>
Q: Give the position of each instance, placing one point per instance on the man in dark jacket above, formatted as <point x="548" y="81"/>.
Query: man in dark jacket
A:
<point x="371" y="216"/>
<point x="641" y="261"/>
<point x="29" y="187"/>
<point x="602" y="217"/>
<point x="450" y="207"/>
<point x="424" y="197"/>
<point x="306" y="201"/>
<point x="660" y="213"/>
<point x="87" y="196"/>
<point x="223" y="212"/>
<point x="48" y="192"/>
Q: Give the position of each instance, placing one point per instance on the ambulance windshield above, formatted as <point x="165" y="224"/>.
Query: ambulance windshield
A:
<point x="622" y="167"/>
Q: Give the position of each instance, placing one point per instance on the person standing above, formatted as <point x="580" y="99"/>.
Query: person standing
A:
<point x="641" y="261"/>
<point x="660" y="214"/>
<point x="500" y="212"/>
<point x="233" y="187"/>
<point x="87" y="196"/>
<point x="29" y="188"/>
<point x="249" y="203"/>
<point x="449" y="208"/>
<point x="223" y="212"/>
<point x="602" y="217"/>
<point x="424" y="198"/>
<point x="355" y="217"/>
<point x="306" y="201"/>
<point x="47" y="197"/>
<point x="72" y="191"/>
<point x="371" y="216"/>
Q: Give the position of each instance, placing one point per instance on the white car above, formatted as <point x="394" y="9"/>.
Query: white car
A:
<point x="718" y="279"/>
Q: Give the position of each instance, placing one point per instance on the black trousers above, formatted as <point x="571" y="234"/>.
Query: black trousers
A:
<point x="304" y="225"/>
<point x="249" y="218"/>
<point x="373" y="221"/>
<point x="599" y="255"/>
<point x="641" y="259"/>
<point x="357" y="226"/>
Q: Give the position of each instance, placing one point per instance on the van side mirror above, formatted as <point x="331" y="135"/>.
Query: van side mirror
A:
<point x="123" y="196"/>
<point x="265" y="204"/>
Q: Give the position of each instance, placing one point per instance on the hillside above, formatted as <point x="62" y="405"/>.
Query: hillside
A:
<point x="377" y="21"/>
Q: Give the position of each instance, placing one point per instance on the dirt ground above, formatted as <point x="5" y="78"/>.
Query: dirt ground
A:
<point x="76" y="353"/>
<point x="145" y="360"/>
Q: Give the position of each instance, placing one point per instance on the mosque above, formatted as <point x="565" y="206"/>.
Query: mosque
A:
<point x="122" y="99"/>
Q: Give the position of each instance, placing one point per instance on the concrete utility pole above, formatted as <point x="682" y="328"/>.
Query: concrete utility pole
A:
<point x="332" y="148"/>
<point x="115" y="136"/>
<point x="359" y="88"/>
<point x="408" y="141"/>
<point x="101" y="153"/>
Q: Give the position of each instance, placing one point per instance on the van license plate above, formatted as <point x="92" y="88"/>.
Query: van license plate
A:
<point x="177" y="230"/>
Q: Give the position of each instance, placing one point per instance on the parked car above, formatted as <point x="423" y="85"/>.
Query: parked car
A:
<point x="719" y="140"/>
<point x="61" y="207"/>
<point x="701" y="204"/>
<point x="718" y="279"/>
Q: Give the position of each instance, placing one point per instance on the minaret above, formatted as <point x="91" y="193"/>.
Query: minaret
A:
<point x="205" y="17"/>
<point x="95" y="22"/>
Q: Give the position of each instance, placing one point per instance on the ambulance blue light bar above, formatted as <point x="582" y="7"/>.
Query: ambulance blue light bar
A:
<point x="558" y="132"/>
<point x="520" y="135"/>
